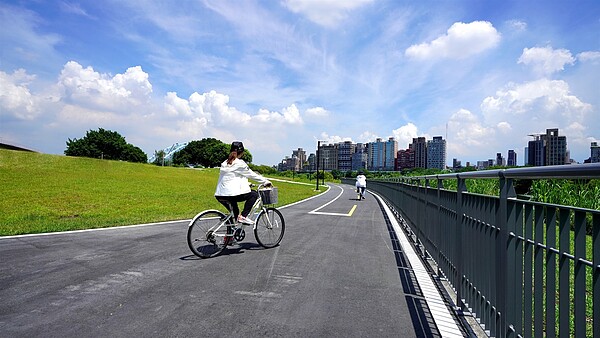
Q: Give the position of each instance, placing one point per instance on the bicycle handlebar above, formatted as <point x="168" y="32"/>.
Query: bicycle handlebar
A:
<point x="258" y="187"/>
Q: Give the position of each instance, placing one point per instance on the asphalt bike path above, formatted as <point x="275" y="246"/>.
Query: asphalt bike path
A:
<point x="338" y="272"/>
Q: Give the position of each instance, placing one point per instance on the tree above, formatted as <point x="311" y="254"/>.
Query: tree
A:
<point x="208" y="152"/>
<point x="336" y="174"/>
<point x="105" y="144"/>
<point x="159" y="157"/>
<point x="263" y="169"/>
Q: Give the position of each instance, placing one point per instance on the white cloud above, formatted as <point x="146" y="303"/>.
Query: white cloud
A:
<point x="327" y="13"/>
<point x="405" y="134"/>
<point x="15" y="97"/>
<point x="290" y="115"/>
<point x="367" y="136"/>
<point x="588" y="56"/>
<point x="546" y="60"/>
<point x="86" y="87"/>
<point x="317" y="112"/>
<point x="504" y="127"/>
<point x="469" y="134"/>
<point x="461" y="41"/>
<point x="543" y="100"/>
<point x="210" y="110"/>
<point x="329" y="139"/>
<point x="176" y="106"/>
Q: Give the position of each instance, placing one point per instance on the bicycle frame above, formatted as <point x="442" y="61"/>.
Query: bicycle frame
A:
<point x="256" y="209"/>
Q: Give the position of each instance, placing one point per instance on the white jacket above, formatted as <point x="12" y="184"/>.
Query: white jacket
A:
<point x="361" y="181"/>
<point x="233" y="178"/>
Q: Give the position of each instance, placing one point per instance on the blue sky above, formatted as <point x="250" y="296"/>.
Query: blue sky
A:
<point x="280" y="75"/>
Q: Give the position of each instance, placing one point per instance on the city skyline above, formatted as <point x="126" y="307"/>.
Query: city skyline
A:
<point x="512" y="157"/>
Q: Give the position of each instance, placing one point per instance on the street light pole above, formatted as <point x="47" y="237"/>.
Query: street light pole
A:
<point x="324" y="159"/>
<point x="317" y="171"/>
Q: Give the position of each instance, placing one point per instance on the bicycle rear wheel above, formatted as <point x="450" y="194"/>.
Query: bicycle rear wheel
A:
<point x="269" y="228"/>
<point x="201" y="237"/>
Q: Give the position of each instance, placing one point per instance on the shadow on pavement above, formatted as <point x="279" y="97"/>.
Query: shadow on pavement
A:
<point x="230" y="250"/>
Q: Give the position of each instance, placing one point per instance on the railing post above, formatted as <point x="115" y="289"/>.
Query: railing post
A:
<point x="505" y="267"/>
<point x="461" y="187"/>
<point x="596" y="274"/>
<point x="437" y="227"/>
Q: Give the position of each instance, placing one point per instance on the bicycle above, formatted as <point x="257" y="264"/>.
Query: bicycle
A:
<point x="360" y="193"/>
<point x="211" y="231"/>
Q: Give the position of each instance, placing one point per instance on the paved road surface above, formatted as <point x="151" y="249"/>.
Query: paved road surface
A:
<point x="333" y="275"/>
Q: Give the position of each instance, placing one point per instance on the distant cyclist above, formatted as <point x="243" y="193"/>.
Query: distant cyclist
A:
<point x="233" y="185"/>
<point x="361" y="184"/>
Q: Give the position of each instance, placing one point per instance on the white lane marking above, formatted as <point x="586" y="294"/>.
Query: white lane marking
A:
<point x="306" y="199"/>
<point x="316" y="211"/>
<point x="96" y="229"/>
<point x="441" y="316"/>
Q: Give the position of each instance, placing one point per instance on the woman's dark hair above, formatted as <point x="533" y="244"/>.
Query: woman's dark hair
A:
<point x="237" y="148"/>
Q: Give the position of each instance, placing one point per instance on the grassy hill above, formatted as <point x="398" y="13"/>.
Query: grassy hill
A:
<point x="45" y="193"/>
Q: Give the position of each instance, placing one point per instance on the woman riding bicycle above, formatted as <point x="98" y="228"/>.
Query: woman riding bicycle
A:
<point x="233" y="185"/>
<point x="361" y="184"/>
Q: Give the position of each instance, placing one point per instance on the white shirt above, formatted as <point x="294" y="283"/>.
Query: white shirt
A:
<point x="233" y="178"/>
<point x="361" y="181"/>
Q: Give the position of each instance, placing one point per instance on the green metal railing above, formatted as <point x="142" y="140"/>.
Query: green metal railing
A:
<point x="520" y="267"/>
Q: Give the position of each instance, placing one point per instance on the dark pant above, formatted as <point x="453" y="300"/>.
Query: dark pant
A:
<point x="232" y="201"/>
<point x="361" y="190"/>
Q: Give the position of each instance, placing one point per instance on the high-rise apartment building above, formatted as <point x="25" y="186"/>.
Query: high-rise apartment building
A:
<point x="391" y="150"/>
<point x="360" y="157"/>
<point x="345" y="151"/>
<point x="419" y="148"/>
<point x="328" y="157"/>
<point x="500" y="161"/>
<point x="376" y="155"/>
<point x="595" y="152"/>
<point x="312" y="159"/>
<point x="300" y="154"/>
<point x="512" y="158"/>
<point x="382" y="154"/>
<point x="548" y="149"/>
<point x="556" y="148"/>
<point x="405" y="159"/>
<point x="536" y="152"/>
<point x="456" y="164"/>
<point x="436" y="153"/>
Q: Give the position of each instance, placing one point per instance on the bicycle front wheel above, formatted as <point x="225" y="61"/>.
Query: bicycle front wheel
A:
<point x="205" y="238"/>
<point x="269" y="227"/>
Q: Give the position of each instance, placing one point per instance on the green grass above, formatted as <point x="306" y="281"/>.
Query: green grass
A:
<point x="47" y="193"/>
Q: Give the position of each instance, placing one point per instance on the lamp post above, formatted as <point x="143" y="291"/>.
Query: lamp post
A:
<point x="325" y="160"/>
<point x="319" y="160"/>
<point x="317" y="169"/>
